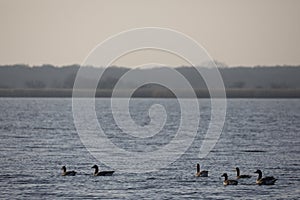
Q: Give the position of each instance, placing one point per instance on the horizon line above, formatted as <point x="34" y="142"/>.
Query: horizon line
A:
<point x="158" y="66"/>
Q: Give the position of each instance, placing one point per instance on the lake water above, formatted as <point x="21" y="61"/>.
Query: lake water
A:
<point x="38" y="136"/>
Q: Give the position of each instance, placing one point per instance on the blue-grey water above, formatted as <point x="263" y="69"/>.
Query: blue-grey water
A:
<point x="38" y="136"/>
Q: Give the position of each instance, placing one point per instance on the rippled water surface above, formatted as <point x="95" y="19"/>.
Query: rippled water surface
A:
<point x="38" y="136"/>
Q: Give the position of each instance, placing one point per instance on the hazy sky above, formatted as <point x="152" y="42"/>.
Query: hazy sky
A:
<point x="236" y="32"/>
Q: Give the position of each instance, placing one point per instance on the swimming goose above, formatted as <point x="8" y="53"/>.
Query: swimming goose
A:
<point x="268" y="180"/>
<point x="67" y="173"/>
<point x="240" y="176"/>
<point x="228" y="182"/>
<point x="103" y="173"/>
<point x="201" y="173"/>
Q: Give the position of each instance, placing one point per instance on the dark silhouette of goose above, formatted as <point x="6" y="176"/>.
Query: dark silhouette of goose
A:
<point x="199" y="173"/>
<point x="268" y="180"/>
<point x="228" y="182"/>
<point x="67" y="173"/>
<point x="241" y="176"/>
<point x="102" y="173"/>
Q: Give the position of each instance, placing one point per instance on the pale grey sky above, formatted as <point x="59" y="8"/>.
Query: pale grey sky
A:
<point x="236" y="32"/>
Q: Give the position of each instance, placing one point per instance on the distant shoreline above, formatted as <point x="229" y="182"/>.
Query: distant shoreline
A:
<point x="150" y="93"/>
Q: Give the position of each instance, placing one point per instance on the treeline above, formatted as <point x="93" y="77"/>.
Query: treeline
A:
<point x="158" y="93"/>
<point x="48" y="80"/>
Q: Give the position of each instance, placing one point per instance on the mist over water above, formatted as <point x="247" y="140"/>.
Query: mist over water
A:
<point x="38" y="136"/>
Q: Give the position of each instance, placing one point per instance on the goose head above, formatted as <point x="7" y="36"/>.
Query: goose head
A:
<point x="259" y="174"/>
<point x="258" y="171"/>
<point x="95" y="167"/>
<point x="64" y="168"/>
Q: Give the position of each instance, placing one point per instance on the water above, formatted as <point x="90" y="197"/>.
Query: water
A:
<point x="38" y="136"/>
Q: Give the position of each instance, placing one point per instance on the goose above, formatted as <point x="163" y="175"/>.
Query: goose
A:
<point x="268" y="180"/>
<point x="241" y="176"/>
<point x="228" y="182"/>
<point x="67" y="173"/>
<point x="103" y="173"/>
<point x="201" y="173"/>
